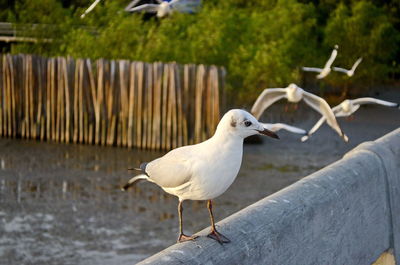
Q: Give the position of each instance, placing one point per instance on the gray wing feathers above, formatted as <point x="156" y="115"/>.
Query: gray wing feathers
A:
<point x="367" y="100"/>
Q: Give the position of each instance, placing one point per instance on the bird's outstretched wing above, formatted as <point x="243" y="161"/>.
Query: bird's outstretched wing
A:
<point x="185" y="6"/>
<point x="149" y="8"/>
<point x="339" y="69"/>
<point x="312" y="69"/>
<point x="331" y="59"/>
<point x="356" y="64"/>
<point x="367" y="100"/>
<point x="90" y="8"/>
<point x="281" y="126"/>
<point x="266" y="99"/>
<point x="320" y="105"/>
<point x="314" y="129"/>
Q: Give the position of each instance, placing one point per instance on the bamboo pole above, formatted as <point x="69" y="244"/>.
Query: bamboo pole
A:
<point x="180" y="116"/>
<point x="81" y="110"/>
<point x="131" y="104"/>
<point x="110" y="100"/>
<point x="140" y="74"/>
<point x="149" y="105"/>
<point x="172" y="103"/>
<point x="156" y="141"/>
<point x="31" y="98"/>
<point x="198" y="104"/>
<point x="164" y="107"/>
<point x="13" y="100"/>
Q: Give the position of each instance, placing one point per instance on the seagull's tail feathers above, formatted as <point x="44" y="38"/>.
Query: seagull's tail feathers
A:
<point x="133" y="181"/>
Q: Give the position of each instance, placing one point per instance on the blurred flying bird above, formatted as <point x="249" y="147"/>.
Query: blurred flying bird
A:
<point x="323" y="72"/>
<point x="165" y="8"/>
<point x="294" y="94"/>
<point x="205" y="170"/>
<point x="350" y="72"/>
<point x="346" y="108"/>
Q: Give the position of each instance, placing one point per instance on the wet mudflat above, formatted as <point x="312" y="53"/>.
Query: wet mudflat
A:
<point x="61" y="204"/>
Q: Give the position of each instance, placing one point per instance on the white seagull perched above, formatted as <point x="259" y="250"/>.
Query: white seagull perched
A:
<point x="294" y="94"/>
<point x="90" y="8"/>
<point x="350" y="72"/>
<point x="274" y="127"/>
<point x="164" y="8"/>
<point x="206" y="170"/>
<point x="346" y="108"/>
<point x="323" y="72"/>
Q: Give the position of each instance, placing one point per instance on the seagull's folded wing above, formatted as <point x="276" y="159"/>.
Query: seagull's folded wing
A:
<point x="150" y="8"/>
<point x="367" y="100"/>
<point x="312" y="69"/>
<point x="266" y="99"/>
<point x="171" y="170"/>
<point x="320" y="105"/>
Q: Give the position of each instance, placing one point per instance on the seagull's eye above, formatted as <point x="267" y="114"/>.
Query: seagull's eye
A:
<point x="247" y="123"/>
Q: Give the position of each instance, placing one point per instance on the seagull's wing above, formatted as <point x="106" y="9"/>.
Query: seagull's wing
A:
<point x="90" y="8"/>
<point x="320" y="105"/>
<point x="339" y="69"/>
<point x="150" y="8"/>
<point x="356" y="64"/>
<point x="185" y="6"/>
<point x="312" y="69"/>
<point x="331" y="59"/>
<point x="266" y="99"/>
<point x="314" y="129"/>
<point x="173" y="169"/>
<point x="281" y="126"/>
<point x="361" y="101"/>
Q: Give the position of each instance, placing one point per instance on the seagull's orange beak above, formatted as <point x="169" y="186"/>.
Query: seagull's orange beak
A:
<point x="268" y="133"/>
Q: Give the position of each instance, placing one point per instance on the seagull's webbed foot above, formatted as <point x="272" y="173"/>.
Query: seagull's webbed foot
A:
<point x="220" y="238"/>
<point x="183" y="238"/>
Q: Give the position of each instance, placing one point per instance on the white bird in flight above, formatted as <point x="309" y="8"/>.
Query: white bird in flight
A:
<point x="274" y="127"/>
<point x="205" y="170"/>
<point x="164" y="8"/>
<point x="294" y="94"/>
<point x="323" y="72"/>
<point x="346" y="108"/>
<point x="350" y="72"/>
<point x="90" y="8"/>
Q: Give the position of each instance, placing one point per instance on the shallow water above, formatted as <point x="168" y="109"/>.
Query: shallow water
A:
<point x="61" y="204"/>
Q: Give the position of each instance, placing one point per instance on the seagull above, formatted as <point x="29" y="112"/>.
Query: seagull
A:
<point x="294" y="94"/>
<point x="90" y="8"/>
<point x="274" y="127"/>
<point x="164" y="8"/>
<point x="348" y="107"/>
<point x="350" y="72"/>
<point x="323" y="72"/>
<point x="205" y="170"/>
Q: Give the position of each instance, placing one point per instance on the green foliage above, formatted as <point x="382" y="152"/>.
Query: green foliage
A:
<point x="363" y="30"/>
<point x="261" y="43"/>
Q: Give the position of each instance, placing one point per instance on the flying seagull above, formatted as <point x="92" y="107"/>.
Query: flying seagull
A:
<point x="164" y="8"/>
<point x="350" y="72"/>
<point x="205" y="170"/>
<point x="323" y="72"/>
<point x="274" y="127"/>
<point x="346" y="108"/>
<point x="294" y="94"/>
<point x="90" y="8"/>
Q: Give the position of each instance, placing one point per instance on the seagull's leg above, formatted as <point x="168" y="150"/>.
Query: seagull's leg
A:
<point x="182" y="237"/>
<point x="214" y="233"/>
<point x="296" y="106"/>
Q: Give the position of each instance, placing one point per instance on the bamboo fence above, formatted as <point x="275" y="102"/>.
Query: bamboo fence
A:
<point x="123" y="103"/>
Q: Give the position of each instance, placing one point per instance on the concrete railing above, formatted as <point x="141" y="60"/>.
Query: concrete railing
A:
<point x="346" y="213"/>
